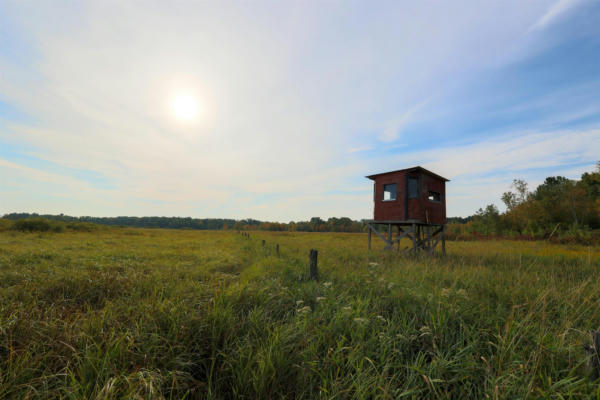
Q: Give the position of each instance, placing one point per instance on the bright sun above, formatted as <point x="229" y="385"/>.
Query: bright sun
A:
<point x="184" y="107"/>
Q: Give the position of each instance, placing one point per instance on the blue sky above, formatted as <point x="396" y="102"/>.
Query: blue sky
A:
<point x="296" y="103"/>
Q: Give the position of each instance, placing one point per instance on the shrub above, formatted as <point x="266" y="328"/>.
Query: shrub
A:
<point x="5" y="224"/>
<point x="82" y="226"/>
<point x="37" y="225"/>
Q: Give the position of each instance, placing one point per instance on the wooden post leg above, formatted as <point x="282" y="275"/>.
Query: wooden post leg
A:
<point x="414" y="238"/>
<point x="369" y="238"/>
<point x="444" y="240"/>
<point x="390" y="233"/>
<point x="429" y="239"/>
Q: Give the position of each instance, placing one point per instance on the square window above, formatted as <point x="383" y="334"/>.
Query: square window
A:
<point x="435" y="196"/>
<point x="390" y="192"/>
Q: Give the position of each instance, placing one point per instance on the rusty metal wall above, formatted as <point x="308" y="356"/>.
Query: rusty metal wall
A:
<point x="419" y="209"/>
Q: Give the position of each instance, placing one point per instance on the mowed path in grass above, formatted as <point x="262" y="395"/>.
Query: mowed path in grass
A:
<point x="126" y="313"/>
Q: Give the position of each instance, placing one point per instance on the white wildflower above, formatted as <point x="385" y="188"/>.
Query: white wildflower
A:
<point x="373" y="264"/>
<point x="361" y="320"/>
<point x="380" y="317"/>
<point x="299" y="303"/>
<point x="327" y="284"/>
<point x="346" y="308"/>
<point x="321" y="298"/>
<point x="390" y="285"/>
<point x="304" y="310"/>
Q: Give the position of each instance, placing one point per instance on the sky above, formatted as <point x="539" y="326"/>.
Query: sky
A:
<point x="289" y="104"/>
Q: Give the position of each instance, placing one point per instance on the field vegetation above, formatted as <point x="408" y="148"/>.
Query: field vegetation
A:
<point x="151" y="313"/>
<point x="134" y="313"/>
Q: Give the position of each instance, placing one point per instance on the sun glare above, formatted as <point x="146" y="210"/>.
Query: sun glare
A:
<point x="184" y="107"/>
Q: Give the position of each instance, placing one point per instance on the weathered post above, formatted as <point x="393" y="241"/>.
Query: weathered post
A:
<point x="593" y="356"/>
<point x="263" y="243"/>
<point x="313" y="271"/>
<point x="277" y="249"/>
<point x="444" y="240"/>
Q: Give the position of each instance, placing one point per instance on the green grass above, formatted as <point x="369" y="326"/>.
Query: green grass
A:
<point x="132" y="313"/>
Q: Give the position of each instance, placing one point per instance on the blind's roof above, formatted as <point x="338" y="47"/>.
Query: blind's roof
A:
<point x="413" y="169"/>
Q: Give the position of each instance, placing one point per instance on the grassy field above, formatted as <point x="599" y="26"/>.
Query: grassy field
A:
<point x="127" y="313"/>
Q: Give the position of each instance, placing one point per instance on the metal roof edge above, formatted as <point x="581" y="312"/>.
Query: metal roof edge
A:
<point x="417" y="168"/>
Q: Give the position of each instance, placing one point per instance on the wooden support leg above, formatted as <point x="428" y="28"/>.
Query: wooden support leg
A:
<point x="370" y="238"/>
<point x="429" y="239"/>
<point x="444" y="240"/>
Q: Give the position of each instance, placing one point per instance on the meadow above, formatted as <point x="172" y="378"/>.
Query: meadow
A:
<point x="152" y="313"/>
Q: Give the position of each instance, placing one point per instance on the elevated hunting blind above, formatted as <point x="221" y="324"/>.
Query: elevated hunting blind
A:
<point x="413" y="200"/>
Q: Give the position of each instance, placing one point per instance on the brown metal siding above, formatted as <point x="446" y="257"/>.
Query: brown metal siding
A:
<point x="436" y="211"/>
<point x="389" y="210"/>
<point x="420" y="209"/>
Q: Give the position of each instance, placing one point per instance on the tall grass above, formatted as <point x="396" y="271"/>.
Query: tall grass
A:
<point x="190" y="314"/>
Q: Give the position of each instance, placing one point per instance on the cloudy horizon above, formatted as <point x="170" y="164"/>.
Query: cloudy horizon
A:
<point x="277" y="111"/>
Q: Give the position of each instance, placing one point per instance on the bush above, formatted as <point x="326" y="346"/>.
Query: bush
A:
<point x="5" y="224"/>
<point x="37" y="225"/>
<point x="82" y="226"/>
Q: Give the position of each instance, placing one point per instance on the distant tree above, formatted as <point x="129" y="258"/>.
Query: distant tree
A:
<point x="487" y="221"/>
<point x="316" y="224"/>
<point x="513" y="199"/>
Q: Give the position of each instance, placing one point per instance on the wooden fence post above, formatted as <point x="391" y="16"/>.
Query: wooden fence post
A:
<point x="593" y="356"/>
<point x="263" y="242"/>
<point x="277" y="249"/>
<point x="313" y="271"/>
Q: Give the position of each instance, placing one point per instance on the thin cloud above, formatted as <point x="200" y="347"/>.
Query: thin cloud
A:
<point x="360" y="149"/>
<point x="554" y="12"/>
<point x="394" y="127"/>
<point x="287" y="92"/>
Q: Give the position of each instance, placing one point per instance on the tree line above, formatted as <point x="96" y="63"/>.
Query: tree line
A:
<point x="315" y="224"/>
<point x="559" y="206"/>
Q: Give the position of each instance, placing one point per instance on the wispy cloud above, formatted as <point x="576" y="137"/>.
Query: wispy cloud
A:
<point x="394" y="127"/>
<point x="555" y="11"/>
<point x="299" y="102"/>
<point x="360" y="149"/>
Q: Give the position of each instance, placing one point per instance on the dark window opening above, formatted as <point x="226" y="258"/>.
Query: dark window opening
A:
<point x="390" y="191"/>
<point x="413" y="188"/>
<point x="435" y="196"/>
